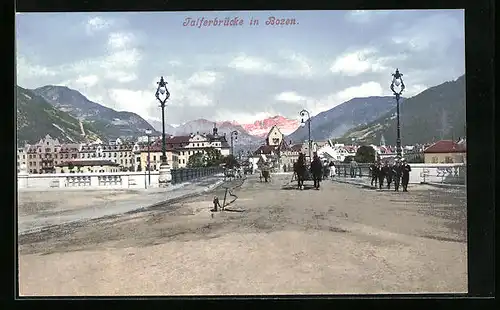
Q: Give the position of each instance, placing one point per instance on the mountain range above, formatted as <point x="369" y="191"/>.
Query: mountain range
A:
<point x="436" y="113"/>
<point x="109" y="121"/>
<point x="36" y="118"/>
<point x="337" y="121"/>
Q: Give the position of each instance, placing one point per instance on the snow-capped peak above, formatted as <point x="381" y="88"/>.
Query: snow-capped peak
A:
<point x="260" y="128"/>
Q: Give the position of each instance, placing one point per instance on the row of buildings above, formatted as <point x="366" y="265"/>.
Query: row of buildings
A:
<point x="51" y="156"/>
<point x="282" y="154"/>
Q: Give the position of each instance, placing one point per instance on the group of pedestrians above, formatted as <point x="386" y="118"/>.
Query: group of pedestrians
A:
<point x="397" y="173"/>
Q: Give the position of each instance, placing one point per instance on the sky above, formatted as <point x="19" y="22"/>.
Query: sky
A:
<point x="238" y="73"/>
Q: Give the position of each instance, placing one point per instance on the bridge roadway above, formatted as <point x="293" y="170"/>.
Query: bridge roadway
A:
<point x="340" y="239"/>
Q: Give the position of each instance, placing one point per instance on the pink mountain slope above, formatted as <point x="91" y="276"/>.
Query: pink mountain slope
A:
<point x="261" y="128"/>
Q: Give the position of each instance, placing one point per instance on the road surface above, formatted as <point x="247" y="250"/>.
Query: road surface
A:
<point x="340" y="239"/>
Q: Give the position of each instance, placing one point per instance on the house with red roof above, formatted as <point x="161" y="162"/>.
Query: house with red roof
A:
<point x="445" y="152"/>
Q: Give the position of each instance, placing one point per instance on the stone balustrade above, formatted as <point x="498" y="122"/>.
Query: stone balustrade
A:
<point x="420" y="173"/>
<point x="110" y="180"/>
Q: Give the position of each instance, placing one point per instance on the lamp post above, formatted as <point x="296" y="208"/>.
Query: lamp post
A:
<point x="162" y="95"/>
<point x="234" y="136"/>
<point x="303" y="113"/>
<point x="397" y="87"/>
<point x="148" y="133"/>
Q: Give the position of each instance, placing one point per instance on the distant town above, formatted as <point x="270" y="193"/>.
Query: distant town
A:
<point x="49" y="155"/>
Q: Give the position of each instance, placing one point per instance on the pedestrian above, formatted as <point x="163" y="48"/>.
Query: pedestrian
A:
<point x="405" y="175"/>
<point x="316" y="170"/>
<point x="388" y="175"/>
<point x="396" y="175"/>
<point x="381" y="175"/>
<point x="332" y="169"/>
<point x="326" y="170"/>
<point x="299" y="168"/>
<point x="374" y="173"/>
<point x="354" y="165"/>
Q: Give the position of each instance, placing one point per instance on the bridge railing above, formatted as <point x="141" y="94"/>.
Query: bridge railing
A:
<point x="110" y="180"/>
<point x="181" y="175"/>
<point x="420" y="173"/>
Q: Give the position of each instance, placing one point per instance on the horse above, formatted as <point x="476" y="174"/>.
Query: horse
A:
<point x="299" y="168"/>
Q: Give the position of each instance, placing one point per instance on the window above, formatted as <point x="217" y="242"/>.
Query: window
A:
<point x="448" y="160"/>
<point x="179" y="161"/>
<point x="154" y="167"/>
<point x="183" y="161"/>
<point x="154" y="157"/>
<point x="126" y="161"/>
<point x="434" y="159"/>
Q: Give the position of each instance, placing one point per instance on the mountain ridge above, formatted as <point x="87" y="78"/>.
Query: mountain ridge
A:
<point x="434" y="114"/>
<point x="36" y="118"/>
<point x="336" y="121"/>
<point x="112" y="122"/>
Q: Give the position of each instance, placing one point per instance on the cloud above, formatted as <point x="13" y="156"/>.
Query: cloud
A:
<point x="357" y="62"/>
<point x="87" y="81"/>
<point x="289" y="96"/>
<point x="96" y="24"/>
<point x="120" y="40"/>
<point x="433" y="33"/>
<point x="203" y="78"/>
<point x="191" y="92"/>
<point x="286" y="65"/>
<point x="105" y="58"/>
<point x="319" y="104"/>
<point x="26" y="69"/>
<point x="251" y="64"/>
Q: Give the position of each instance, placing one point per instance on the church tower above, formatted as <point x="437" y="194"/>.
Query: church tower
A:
<point x="382" y="140"/>
<point x="214" y="131"/>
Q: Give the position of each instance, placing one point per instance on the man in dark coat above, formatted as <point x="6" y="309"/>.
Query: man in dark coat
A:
<point x="396" y="175"/>
<point x="374" y="173"/>
<point x="388" y="176"/>
<point x="381" y="175"/>
<point x="299" y="168"/>
<point x="405" y="175"/>
<point x="316" y="170"/>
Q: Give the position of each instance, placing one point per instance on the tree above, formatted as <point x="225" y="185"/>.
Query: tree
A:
<point x="230" y="161"/>
<point x="365" y="154"/>
<point x="213" y="157"/>
<point x="348" y="159"/>
<point x="71" y="166"/>
<point x="196" y="160"/>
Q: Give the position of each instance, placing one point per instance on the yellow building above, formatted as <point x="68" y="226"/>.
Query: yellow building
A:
<point x="155" y="152"/>
<point x="87" y="166"/>
<point x="445" y="152"/>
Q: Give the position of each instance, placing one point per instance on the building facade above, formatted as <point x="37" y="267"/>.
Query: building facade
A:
<point x="155" y="152"/>
<point x="119" y="153"/>
<point x="43" y="156"/>
<point x="445" y="152"/>
<point x="21" y="157"/>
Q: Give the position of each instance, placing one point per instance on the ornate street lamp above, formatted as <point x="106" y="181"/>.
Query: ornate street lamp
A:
<point x="397" y="87"/>
<point x="303" y="113"/>
<point x="162" y="95"/>
<point x="234" y="136"/>
<point x="148" y="133"/>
